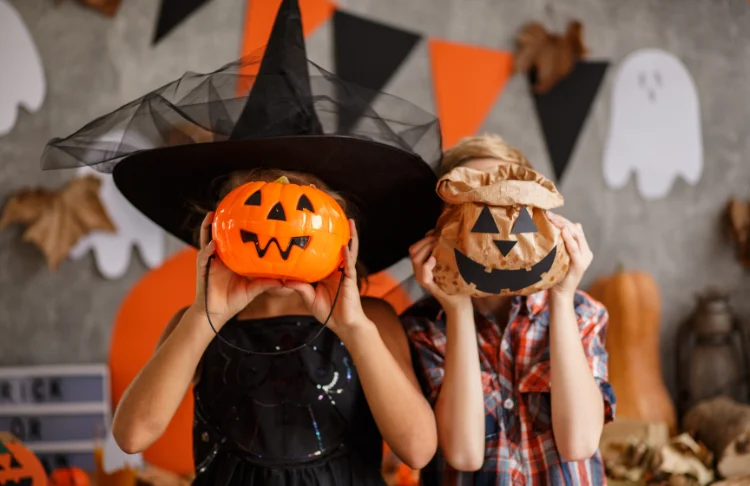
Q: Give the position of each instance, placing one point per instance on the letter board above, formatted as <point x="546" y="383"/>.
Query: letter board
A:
<point x="57" y="411"/>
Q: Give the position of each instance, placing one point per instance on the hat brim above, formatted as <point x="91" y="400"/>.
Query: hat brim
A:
<point x="392" y="190"/>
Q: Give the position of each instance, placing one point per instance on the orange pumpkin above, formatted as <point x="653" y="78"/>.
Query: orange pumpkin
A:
<point x="634" y="305"/>
<point x="18" y="465"/>
<point x="69" y="476"/>
<point x="280" y="230"/>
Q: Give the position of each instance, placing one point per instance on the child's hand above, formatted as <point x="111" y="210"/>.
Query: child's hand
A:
<point x="424" y="263"/>
<point x="228" y="293"/>
<point x="579" y="252"/>
<point x="347" y="311"/>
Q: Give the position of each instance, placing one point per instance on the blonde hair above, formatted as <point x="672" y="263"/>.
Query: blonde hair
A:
<point x="488" y="146"/>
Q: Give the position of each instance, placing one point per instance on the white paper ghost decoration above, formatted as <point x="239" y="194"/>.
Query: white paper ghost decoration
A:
<point x="22" y="80"/>
<point x="112" y="251"/>
<point x="655" y="128"/>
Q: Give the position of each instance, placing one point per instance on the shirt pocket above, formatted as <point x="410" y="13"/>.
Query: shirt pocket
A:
<point x="534" y="391"/>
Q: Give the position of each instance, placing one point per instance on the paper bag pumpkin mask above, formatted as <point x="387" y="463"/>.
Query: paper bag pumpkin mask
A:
<point x="494" y="237"/>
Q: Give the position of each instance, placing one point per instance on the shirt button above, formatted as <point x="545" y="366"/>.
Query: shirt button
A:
<point x="508" y="404"/>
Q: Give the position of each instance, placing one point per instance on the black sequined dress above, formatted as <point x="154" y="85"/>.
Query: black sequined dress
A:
<point x="295" y="419"/>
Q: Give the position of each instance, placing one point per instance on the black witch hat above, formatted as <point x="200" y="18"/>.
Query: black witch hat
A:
<point x="168" y="149"/>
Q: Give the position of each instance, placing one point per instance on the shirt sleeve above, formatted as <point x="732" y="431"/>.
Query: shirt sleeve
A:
<point x="427" y="344"/>
<point x="592" y="321"/>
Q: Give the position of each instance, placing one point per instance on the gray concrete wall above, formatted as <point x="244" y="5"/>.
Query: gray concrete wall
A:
<point x="94" y="64"/>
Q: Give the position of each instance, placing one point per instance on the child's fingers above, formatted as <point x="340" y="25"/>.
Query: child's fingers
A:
<point x="305" y="290"/>
<point x="555" y="219"/>
<point x="580" y="237"/>
<point x="416" y="247"/>
<point x="350" y="263"/>
<point x="429" y="265"/>
<point x="204" y="255"/>
<point x="259" y="285"/>
<point x="354" y="243"/>
<point x="205" y="228"/>
<point x="421" y="256"/>
<point x="572" y="246"/>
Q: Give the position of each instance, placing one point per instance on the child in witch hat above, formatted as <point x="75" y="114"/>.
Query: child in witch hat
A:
<point x="279" y="399"/>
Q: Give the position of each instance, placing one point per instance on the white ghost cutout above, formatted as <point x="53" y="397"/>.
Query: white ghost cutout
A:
<point x="22" y="80"/>
<point x="655" y="127"/>
<point x="112" y="251"/>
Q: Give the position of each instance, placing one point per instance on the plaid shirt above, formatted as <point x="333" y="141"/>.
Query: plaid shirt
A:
<point x="519" y="444"/>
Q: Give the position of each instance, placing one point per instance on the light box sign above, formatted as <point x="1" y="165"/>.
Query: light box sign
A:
<point x="58" y="412"/>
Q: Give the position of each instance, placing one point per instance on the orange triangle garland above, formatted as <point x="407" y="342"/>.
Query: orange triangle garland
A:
<point x="467" y="81"/>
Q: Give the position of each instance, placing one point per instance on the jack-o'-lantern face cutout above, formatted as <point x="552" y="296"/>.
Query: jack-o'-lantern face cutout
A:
<point x="497" y="280"/>
<point x="18" y="465"/>
<point x="280" y="230"/>
<point x="494" y="237"/>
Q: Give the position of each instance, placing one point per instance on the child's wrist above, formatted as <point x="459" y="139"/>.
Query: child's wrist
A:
<point x="197" y="314"/>
<point x="459" y="309"/>
<point x="561" y="298"/>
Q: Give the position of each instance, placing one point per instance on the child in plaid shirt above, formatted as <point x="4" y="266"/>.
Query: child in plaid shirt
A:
<point x="487" y="366"/>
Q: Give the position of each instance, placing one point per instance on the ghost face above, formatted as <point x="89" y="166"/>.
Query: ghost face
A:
<point x="655" y="130"/>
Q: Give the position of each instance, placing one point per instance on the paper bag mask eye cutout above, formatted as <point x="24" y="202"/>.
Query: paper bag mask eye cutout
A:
<point x="494" y="237"/>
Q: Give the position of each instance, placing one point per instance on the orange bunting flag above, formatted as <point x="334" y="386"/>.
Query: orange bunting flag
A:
<point x="467" y="81"/>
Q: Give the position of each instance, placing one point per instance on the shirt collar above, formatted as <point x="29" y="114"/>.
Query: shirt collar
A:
<point x="535" y="303"/>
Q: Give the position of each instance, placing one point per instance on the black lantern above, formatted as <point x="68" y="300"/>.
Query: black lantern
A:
<point x="712" y="353"/>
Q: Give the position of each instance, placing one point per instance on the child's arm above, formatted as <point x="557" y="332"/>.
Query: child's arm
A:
<point x="372" y="334"/>
<point x="577" y="404"/>
<point x="381" y="355"/>
<point x="578" y="408"/>
<point x="459" y="408"/>
<point x="149" y="403"/>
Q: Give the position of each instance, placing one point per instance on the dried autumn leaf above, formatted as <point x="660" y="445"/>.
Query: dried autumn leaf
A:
<point x="550" y="56"/>
<point x="56" y="220"/>
<point x="26" y="206"/>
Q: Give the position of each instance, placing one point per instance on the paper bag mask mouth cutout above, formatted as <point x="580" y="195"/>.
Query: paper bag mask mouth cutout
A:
<point x="494" y="237"/>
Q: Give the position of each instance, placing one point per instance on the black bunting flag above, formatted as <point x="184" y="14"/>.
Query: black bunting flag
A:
<point x="563" y="110"/>
<point x="172" y="13"/>
<point x="367" y="53"/>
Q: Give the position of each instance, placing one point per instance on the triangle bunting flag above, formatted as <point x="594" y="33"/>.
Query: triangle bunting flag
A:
<point x="563" y="110"/>
<point x="367" y="53"/>
<point x="467" y="82"/>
